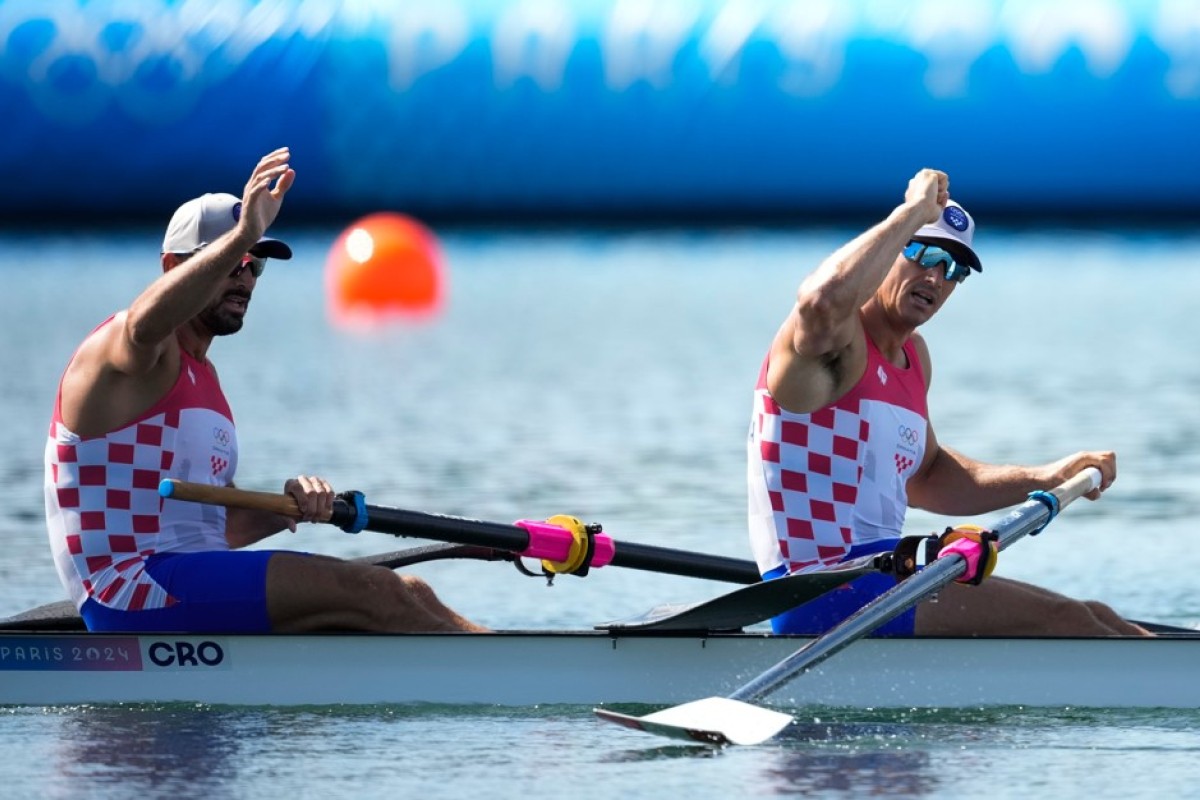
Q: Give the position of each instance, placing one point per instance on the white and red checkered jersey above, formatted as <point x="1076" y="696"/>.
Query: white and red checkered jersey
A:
<point x="103" y="511"/>
<point x="823" y="482"/>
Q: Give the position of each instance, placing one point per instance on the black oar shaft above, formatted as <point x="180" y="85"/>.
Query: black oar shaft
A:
<point x="515" y="539"/>
<point x="680" y="562"/>
<point x="457" y="530"/>
<point x="420" y="525"/>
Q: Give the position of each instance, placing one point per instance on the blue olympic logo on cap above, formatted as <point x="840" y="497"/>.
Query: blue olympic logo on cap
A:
<point x="956" y="218"/>
<point x="237" y="211"/>
<point x="908" y="435"/>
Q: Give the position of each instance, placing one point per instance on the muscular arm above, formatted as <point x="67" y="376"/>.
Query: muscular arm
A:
<point x="314" y="502"/>
<point x="246" y="526"/>
<point x="954" y="484"/>
<point x="818" y="352"/>
<point x="123" y="368"/>
<point x="183" y="291"/>
<point x="128" y="364"/>
<point x="175" y="297"/>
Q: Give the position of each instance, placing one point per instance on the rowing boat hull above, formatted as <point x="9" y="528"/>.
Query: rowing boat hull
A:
<point x="590" y="668"/>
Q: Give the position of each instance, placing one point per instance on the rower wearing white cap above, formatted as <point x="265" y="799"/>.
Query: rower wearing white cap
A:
<point x="140" y="402"/>
<point x="841" y="443"/>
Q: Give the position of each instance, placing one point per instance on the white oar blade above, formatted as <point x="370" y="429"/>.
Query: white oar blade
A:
<point x="714" y="720"/>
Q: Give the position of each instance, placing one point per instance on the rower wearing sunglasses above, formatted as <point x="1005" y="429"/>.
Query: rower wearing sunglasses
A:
<point x="140" y="402"/>
<point x="841" y="443"/>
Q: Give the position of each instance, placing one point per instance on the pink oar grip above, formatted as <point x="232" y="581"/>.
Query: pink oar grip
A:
<point x="553" y="543"/>
<point x="971" y="551"/>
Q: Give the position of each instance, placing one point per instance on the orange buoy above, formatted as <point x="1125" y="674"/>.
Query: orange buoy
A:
<point x="382" y="267"/>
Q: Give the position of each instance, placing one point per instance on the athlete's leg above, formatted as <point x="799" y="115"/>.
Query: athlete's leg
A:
<point x="1106" y="615"/>
<point x="1003" y="607"/>
<point x="312" y="593"/>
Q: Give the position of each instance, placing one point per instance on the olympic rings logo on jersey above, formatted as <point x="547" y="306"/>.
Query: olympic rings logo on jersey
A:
<point x="908" y="435"/>
<point x="222" y="436"/>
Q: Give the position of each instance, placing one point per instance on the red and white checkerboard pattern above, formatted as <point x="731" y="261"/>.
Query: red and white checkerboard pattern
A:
<point x="103" y="511"/>
<point x="821" y="482"/>
<point x="107" y="496"/>
<point x="813" y="468"/>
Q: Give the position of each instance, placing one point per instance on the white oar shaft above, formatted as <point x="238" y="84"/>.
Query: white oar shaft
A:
<point x="1024" y="519"/>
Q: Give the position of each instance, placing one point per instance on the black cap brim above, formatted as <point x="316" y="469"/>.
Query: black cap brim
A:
<point x="271" y="248"/>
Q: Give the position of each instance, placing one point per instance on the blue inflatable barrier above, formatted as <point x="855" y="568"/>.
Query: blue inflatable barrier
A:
<point x="594" y="107"/>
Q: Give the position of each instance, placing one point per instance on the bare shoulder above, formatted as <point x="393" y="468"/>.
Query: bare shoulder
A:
<point x="99" y="394"/>
<point x="802" y="382"/>
<point x="93" y="356"/>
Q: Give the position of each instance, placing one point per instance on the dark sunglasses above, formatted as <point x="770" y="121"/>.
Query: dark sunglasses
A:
<point x="928" y="256"/>
<point x="255" y="265"/>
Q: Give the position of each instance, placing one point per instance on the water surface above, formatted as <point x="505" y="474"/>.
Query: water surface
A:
<point x="608" y="375"/>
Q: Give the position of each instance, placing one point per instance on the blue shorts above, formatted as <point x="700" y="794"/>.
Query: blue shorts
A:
<point x="818" y="616"/>
<point x="220" y="591"/>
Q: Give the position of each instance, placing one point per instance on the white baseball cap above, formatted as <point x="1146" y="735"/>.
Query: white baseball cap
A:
<point x="203" y="220"/>
<point x="955" y="229"/>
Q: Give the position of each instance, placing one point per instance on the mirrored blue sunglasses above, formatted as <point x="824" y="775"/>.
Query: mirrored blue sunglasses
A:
<point x="928" y="256"/>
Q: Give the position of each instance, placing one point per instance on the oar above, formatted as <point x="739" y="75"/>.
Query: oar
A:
<point x="527" y="538"/>
<point x="733" y="720"/>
